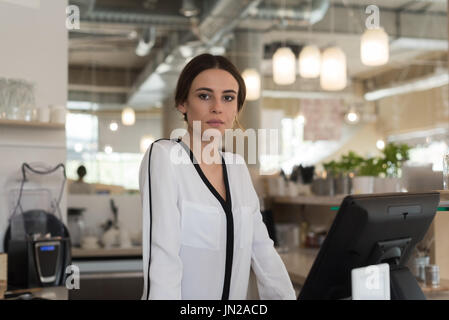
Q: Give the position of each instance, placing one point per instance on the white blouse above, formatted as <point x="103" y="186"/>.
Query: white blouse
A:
<point x="197" y="245"/>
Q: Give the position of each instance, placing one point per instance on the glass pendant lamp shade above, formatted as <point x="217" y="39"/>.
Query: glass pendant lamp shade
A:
<point x="333" y="69"/>
<point x="128" y="116"/>
<point x="252" y="82"/>
<point x="310" y="62"/>
<point x="284" y="66"/>
<point x="374" y="48"/>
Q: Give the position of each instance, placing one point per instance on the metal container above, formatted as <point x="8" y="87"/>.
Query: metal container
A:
<point x="432" y="276"/>
<point x="419" y="267"/>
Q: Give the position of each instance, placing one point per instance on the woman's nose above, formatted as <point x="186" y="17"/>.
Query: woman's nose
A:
<point x="217" y="106"/>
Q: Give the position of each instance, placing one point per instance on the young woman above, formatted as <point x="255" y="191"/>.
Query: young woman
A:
<point x="202" y="226"/>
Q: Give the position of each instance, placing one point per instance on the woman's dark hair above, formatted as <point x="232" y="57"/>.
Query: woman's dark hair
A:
<point x="81" y="171"/>
<point x="203" y="62"/>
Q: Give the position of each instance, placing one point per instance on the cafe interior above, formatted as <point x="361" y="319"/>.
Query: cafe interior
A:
<point x="352" y="95"/>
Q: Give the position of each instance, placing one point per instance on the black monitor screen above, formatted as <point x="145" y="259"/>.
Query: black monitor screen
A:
<point x="369" y="230"/>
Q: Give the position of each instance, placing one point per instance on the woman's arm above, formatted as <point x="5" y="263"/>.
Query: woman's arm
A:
<point x="273" y="281"/>
<point x="162" y="266"/>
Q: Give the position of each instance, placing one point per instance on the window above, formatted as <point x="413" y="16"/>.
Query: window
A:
<point x="120" y="169"/>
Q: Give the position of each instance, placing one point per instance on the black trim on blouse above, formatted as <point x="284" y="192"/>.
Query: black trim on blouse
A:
<point x="227" y="207"/>
<point x="151" y="215"/>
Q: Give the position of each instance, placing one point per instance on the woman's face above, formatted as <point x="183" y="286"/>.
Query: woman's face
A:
<point x="212" y="100"/>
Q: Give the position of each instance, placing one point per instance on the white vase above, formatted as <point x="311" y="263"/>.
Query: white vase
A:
<point x="363" y="185"/>
<point x="387" y="185"/>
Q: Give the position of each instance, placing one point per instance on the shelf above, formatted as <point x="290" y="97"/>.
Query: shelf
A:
<point x="32" y="124"/>
<point x="310" y="200"/>
<point x="102" y="253"/>
<point x="335" y="201"/>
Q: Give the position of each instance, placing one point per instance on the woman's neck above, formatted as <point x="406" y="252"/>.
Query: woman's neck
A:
<point x="205" y="152"/>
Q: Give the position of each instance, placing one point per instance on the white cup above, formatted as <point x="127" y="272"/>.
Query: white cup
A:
<point x="43" y="114"/>
<point x="58" y="115"/>
<point x="89" y="242"/>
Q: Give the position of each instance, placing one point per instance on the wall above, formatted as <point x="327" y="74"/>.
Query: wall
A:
<point x="98" y="211"/>
<point x="413" y="111"/>
<point x="33" y="47"/>
<point x="362" y="141"/>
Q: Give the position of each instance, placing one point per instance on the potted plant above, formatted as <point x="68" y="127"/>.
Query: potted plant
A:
<point x="394" y="155"/>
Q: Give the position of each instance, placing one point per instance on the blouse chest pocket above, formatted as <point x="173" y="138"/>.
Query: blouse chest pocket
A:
<point x="246" y="226"/>
<point x="201" y="226"/>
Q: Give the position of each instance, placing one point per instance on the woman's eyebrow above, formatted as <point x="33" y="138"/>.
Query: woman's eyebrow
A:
<point x="210" y="90"/>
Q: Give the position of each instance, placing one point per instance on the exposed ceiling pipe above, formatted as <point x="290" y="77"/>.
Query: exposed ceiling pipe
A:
<point x="99" y="15"/>
<point x="308" y="12"/>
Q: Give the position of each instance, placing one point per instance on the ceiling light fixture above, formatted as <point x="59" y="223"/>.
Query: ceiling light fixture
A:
<point x="108" y="149"/>
<point x="284" y="66"/>
<point x="145" y="143"/>
<point x="352" y="117"/>
<point x="374" y="48"/>
<point x="147" y="42"/>
<point x="380" y="144"/>
<point x="310" y="62"/>
<point x="252" y="82"/>
<point x="189" y="9"/>
<point x="333" y="69"/>
<point x="113" y="126"/>
<point x="128" y="116"/>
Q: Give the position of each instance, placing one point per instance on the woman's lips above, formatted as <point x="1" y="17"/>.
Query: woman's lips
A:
<point x="214" y="123"/>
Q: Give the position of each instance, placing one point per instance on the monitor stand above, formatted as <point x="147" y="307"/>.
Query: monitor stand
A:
<point x="403" y="285"/>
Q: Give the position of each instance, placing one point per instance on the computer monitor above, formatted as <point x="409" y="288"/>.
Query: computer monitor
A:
<point x="369" y="230"/>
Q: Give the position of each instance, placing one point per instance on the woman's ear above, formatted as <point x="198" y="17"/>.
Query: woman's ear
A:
<point x="182" y="108"/>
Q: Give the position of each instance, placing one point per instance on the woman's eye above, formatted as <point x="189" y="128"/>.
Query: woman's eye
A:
<point x="228" y="98"/>
<point x="204" y="96"/>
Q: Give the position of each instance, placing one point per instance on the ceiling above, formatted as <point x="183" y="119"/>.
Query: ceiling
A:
<point x="103" y="65"/>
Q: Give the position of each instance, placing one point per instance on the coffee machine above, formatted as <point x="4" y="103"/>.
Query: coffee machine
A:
<point x="38" y="244"/>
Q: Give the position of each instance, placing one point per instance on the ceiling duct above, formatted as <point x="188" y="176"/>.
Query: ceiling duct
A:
<point x="167" y="65"/>
<point x="213" y="30"/>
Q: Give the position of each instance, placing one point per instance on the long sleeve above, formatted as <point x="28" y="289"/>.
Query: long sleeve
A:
<point x="273" y="281"/>
<point x="161" y="259"/>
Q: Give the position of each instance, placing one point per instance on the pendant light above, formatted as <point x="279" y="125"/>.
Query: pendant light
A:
<point x="252" y="82"/>
<point x="352" y="117"/>
<point x="310" y="62"/>
<point x="128" y="116"/>
<point x="374" y="48"/>
<point x="333" y="69"/>
<point x="284" y="66"/>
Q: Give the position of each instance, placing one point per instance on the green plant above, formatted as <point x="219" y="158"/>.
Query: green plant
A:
<point x="389" y="165"/>
<point x="348" y="163"/>
<point x="394" y="156"/>
<point x="371" y="167"/>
